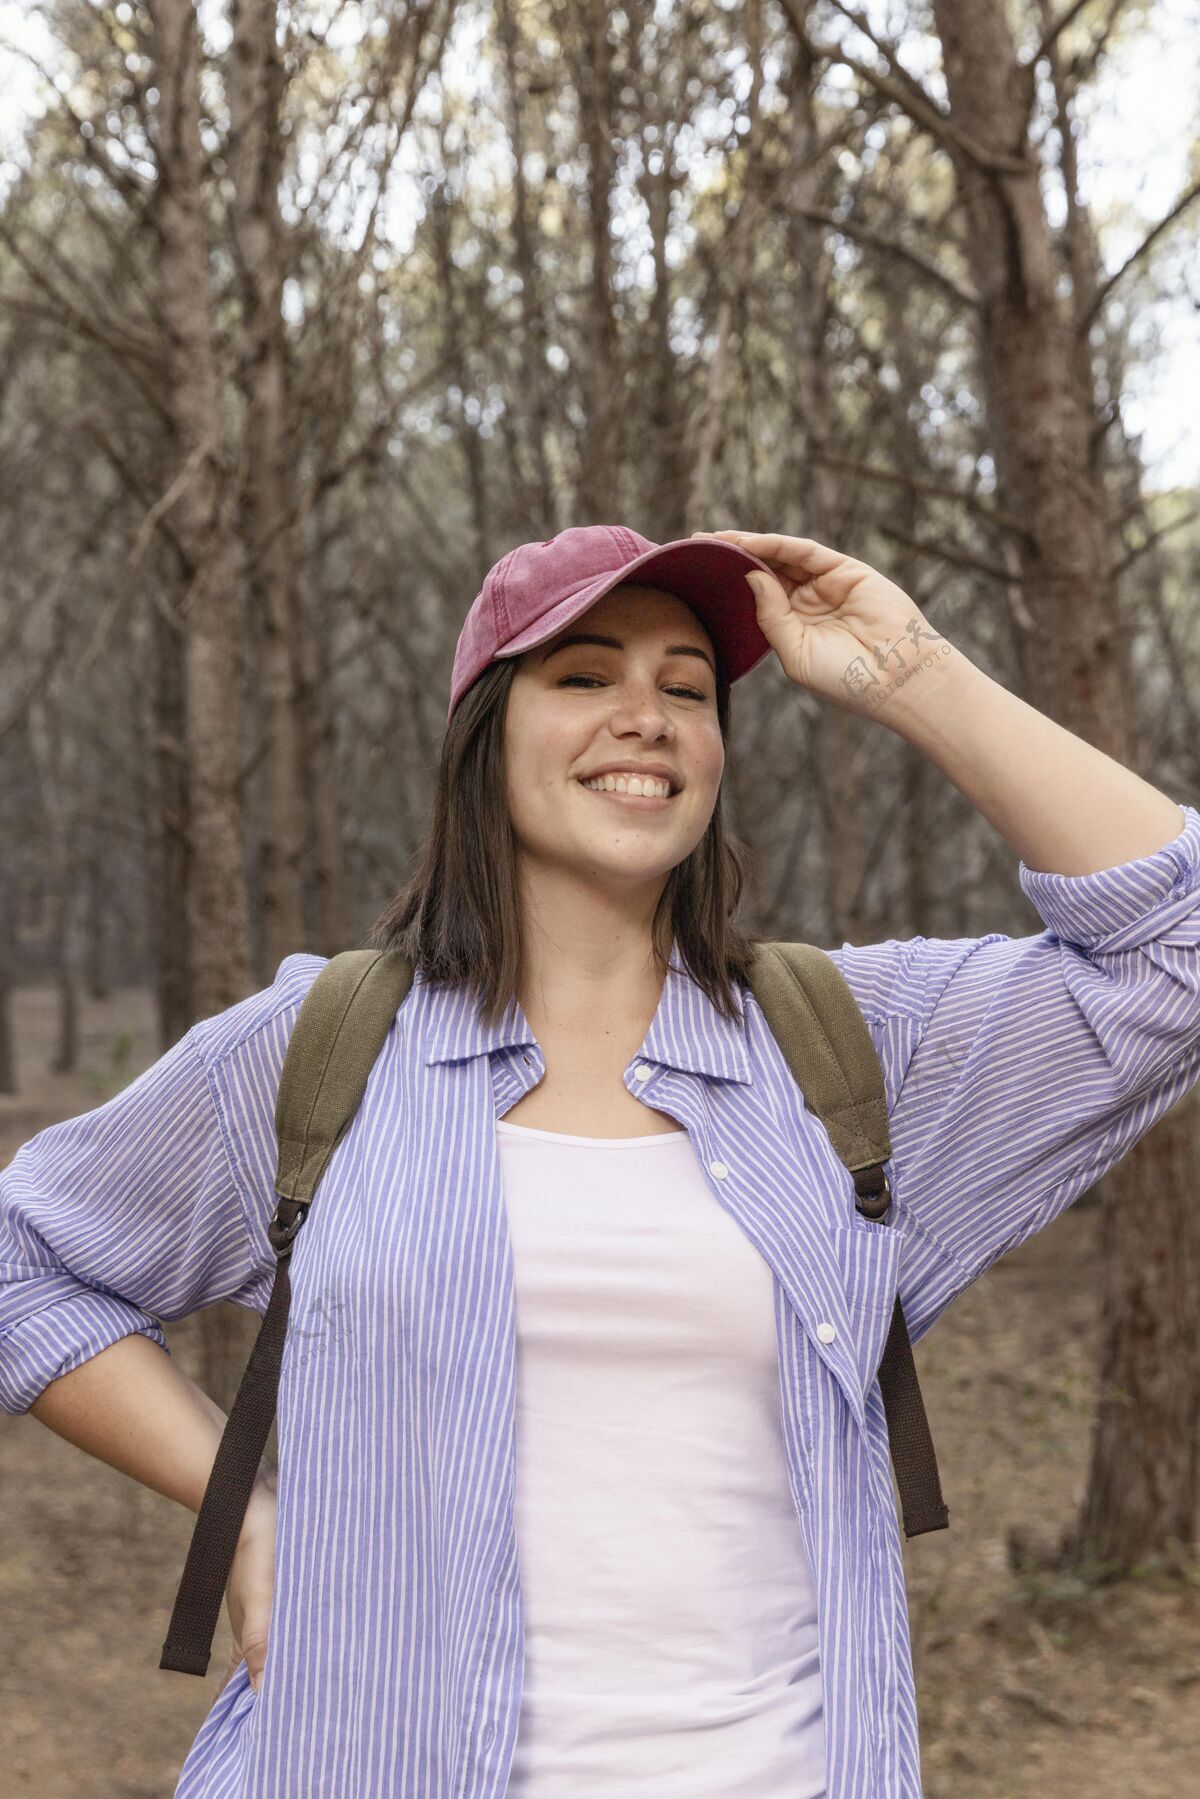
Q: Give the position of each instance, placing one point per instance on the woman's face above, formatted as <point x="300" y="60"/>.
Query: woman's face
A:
<point x="647" y="697"/>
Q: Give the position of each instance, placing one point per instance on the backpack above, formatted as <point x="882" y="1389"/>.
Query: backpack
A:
<point x="340" y="1029"/>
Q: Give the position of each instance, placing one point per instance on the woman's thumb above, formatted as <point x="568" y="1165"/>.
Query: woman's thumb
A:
<point x="771" y="600"/>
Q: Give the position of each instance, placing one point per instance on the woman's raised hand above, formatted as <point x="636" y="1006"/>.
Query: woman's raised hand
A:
<point x="838" y="627"/>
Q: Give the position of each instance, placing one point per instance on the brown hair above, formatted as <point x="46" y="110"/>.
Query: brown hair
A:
<point x="458" y="917"/>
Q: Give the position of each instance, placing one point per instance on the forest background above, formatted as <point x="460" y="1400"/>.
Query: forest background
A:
<point x="307" y="315"/>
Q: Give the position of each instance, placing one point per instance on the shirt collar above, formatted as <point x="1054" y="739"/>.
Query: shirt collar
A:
<point x="687" y="1031"/>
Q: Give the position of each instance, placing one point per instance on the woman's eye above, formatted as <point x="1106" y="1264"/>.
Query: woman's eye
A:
<point x="691" y="692"/>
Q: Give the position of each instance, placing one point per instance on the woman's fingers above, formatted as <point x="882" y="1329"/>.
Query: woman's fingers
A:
<point x="253" y="1647"/>
<point x="800" y="556"/>
<point x="256" y="1653"/>
<point x="251" y="1590"/>
<point x="255" y="1657"/>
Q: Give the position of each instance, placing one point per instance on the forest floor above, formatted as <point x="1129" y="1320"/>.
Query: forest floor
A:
<point x="1028" y="1684"/>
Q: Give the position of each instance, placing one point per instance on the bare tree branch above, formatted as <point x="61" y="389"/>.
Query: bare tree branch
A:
<point x="88" y="318"/>
<point x="889" y="54"/>
<point x="1083" y="65"/>
<point x="1138" y="550"/>
<point x="960" y="558"/>
<point x="121" y="584"/>
<point x="1184" y="201"/>
<point x="921" y="110"/>
<point x="1056" y="28"/>
<point x="122" y="180"/>
<point x="120" y="463"/>
<point x="982" y="509"/>
<point x="851" y="227"/>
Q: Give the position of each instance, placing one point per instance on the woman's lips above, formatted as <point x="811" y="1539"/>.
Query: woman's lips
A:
<point x="645" y="802"/>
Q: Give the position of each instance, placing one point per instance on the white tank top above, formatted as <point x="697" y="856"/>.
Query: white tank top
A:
<point x="669" y="1617"/>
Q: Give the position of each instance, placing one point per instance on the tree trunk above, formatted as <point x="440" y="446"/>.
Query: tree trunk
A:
<point x="600" y="436"/>
<point x="54" y="752"/>
<point x="537" y="422"/>
<point x="1141" y="1500"/>
<point x="1140" y="1503"/>
<point x="1075" y="665"/>
<point x="318" y="739"/>
<point x="256" y="87"/>
<point x="217" y="910"/>
<point x="217" y="904"/>
<point x="164" y="812"/>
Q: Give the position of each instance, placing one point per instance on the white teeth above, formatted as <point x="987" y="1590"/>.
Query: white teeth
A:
<point x="645" y="785"/>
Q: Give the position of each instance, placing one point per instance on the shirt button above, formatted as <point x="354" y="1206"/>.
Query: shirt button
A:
<point x="642" y="1072"/>
<point x="487" y="1734"/>
<point x="826" y="1332"/>
<point x="719" y="1169"/>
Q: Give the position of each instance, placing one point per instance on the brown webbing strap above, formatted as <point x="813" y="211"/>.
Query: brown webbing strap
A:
<point x="913" y="1454"/>
<point x="324" y="1075"/>
<point x="825" y="1040"/>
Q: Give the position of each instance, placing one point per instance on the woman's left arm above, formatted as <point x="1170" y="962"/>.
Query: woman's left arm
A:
<point x="1018" y="1070"/>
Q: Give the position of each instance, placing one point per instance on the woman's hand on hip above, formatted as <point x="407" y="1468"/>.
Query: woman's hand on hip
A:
<point x="250" y="1592"/>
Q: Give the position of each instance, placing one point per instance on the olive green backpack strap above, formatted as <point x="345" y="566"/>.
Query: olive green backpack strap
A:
<point x="816" y="1022"/>
<point x="338" y="1033"/>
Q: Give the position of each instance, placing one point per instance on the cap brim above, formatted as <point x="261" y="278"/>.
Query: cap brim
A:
<point x="708" y="573"/>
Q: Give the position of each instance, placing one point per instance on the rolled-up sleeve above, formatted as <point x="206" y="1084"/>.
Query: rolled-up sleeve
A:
<point x="140" y="1210"/>
<point x="1020" y="1070"/>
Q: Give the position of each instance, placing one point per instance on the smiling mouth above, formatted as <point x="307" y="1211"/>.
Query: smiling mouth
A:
<point x="646" y="802"/>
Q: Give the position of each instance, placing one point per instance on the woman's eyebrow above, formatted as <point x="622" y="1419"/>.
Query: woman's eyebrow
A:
<point x="615" y="643"/>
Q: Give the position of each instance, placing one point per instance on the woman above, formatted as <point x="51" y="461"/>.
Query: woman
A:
<point x="584" y="1483"/>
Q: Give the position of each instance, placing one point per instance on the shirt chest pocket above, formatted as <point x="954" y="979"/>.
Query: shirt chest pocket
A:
<point x="869" y="1258"/>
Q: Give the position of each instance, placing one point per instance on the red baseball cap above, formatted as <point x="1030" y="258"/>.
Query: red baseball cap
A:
<point x="538" y="588"/>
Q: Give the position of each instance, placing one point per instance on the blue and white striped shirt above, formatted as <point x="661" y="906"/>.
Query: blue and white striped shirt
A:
<point x="1018" y="1071"/>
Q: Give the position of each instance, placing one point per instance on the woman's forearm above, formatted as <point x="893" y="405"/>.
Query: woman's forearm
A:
<point x="132" y="1407"/>
<point x="1062" y="805"/>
